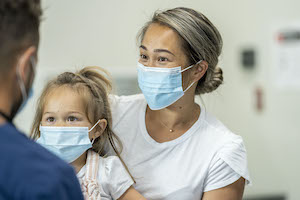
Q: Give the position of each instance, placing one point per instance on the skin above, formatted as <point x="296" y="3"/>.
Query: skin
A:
<point x="161" y="48"/>
<point x="65" y="107"/>
<point x="10" y="91"/>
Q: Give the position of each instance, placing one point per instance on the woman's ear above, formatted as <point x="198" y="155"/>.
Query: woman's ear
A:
<point x="100" y="128"/>
<point x="200" y="70"/>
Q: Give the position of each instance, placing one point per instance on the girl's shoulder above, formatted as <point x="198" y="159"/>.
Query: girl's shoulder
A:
<point x="112" y="168"/>
<point x="113" y="176"/>
<point x="110" y="163"/>
<point x="107" y="166"/>
<point x="109" y="172"/>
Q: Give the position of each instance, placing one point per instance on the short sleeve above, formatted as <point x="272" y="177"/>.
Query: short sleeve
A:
<point x="118" y="178"/>
<point x="118" y="106"/>
<point x="122" y="105"/>
<point x="229" y="164"/>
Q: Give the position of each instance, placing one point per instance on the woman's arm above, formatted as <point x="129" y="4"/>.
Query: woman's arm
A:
<point x="233" y="191"/>
<point x="132" y="194"/>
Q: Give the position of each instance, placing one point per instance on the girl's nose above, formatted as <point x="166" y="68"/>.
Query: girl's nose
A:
<point x="60" y="123"/>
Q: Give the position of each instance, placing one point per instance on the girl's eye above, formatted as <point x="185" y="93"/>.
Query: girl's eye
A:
<point x="162" y="59"/>
<point x="50" y="119"/>
<point x="72" y="119"/>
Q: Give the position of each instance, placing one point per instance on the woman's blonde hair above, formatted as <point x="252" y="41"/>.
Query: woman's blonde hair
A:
<point x="200" y="40"/>
<point x="94" y="86"/>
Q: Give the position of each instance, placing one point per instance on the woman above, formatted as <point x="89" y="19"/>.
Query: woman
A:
<point x="173" y="147"/>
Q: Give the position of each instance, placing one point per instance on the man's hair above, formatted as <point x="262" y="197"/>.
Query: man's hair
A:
<point x="19" y="29"/>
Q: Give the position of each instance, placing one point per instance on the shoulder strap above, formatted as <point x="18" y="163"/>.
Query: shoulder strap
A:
<point x="92" y="165"/>
<point x="89" y="185"/>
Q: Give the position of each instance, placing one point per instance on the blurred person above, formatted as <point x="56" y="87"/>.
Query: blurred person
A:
<point x="73" y="120"/>
<point x="27" y="170"/>
<point x="172" y="146"/>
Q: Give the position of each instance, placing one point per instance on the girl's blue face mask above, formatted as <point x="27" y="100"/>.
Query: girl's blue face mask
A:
<point x="161" y="86"/>
<point x="68" y="143"/>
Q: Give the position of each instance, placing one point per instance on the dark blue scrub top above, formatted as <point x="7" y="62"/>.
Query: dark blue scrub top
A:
<point x="28" y="171"/>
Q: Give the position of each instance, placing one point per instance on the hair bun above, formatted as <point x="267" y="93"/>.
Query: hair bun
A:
<point x="211" y="82"/>
<point x="97" y="75"/>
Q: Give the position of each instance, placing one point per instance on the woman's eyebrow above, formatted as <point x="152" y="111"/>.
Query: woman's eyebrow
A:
<point x="143" y="47"/>
<point x="158" y="50"/>
<point x="47" y="113"/>
<point x="163" y="50"/>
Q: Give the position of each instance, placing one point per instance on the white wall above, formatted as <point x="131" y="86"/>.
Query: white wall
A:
<point x="98" y="32"/>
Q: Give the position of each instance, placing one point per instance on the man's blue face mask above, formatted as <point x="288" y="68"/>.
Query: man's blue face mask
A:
<point x="25" y="96"/>
<point x="19" y="104"/>
<point x="161" y="86"/>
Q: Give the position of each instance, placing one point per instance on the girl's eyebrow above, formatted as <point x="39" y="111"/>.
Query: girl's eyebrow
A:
<point x="70" y="112"/>
<point x="75" y="112"/>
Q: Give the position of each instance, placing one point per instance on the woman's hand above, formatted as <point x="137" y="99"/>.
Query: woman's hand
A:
<point x="233" y="191"/>
<point x="132" y="194"/>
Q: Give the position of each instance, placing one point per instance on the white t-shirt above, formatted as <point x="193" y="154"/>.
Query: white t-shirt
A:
<point x="207" y="157"/>
<point x="112" y="177"/>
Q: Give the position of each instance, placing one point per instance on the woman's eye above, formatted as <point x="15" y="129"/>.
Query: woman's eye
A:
<point x="50" y="119"/>
<point x="162" y="59"/>
<point x="142" y="56"/>
<point x="72" y="119"/>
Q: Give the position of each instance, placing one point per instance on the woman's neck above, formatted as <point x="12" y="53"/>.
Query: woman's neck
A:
<point x="182" y="111"/>
<point x="176" y="114"/>
<point x="172" y="122"/>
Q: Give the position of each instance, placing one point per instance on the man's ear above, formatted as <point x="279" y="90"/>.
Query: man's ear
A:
<point x="25" y="63"/>
<point x="200" y="70"/>
<point x="100" y="128"/>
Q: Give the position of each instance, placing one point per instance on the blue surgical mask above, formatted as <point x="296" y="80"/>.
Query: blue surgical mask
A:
<point x="68" y="143"/>
<point x="30" y="94"/>
<point x="161" y="86"/>
<point x="25" y="96"/>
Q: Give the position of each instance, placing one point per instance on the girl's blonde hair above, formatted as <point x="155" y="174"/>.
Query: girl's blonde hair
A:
<point x="94" y="86"/>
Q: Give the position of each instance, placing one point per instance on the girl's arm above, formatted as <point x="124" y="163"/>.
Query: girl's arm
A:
<point x="233" y="191"/>
<point x="132" y="194"/>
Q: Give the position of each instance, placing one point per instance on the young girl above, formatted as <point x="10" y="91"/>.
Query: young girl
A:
<point x="73" y="120"/>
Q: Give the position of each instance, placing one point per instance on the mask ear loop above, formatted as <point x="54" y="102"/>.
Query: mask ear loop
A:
<point x="191" y="66"/>
<point x="93" y="140"/>
<point x="94" y="125"/>
<point x="187" y="69"/>
<point x="21" y="84"/>
<point x="189" y="86"/>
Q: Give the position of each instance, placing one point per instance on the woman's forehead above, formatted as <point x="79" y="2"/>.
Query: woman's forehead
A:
<point x="161" y="37"/>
